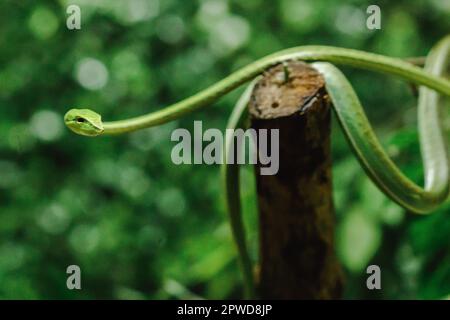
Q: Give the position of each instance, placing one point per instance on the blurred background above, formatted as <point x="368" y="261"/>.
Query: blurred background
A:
<point x="141" y="227"/>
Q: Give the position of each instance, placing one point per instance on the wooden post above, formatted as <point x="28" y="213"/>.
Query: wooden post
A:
<point x="297" y="259"/>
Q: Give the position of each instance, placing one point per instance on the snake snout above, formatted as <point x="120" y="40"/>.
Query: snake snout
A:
<point x="84" y="122"/>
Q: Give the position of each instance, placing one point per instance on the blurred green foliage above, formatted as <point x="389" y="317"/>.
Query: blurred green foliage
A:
<point x="140" y="226"/>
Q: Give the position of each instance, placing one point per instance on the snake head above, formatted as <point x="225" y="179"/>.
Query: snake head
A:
<point x="84" y="122"/>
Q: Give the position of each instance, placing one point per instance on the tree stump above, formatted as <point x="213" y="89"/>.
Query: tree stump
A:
<point x="297" y="258"/>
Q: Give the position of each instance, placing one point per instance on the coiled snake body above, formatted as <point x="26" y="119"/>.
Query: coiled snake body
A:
<point x="349" y="112"/>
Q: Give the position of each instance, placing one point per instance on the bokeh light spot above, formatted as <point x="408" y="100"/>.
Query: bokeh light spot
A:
<point x="84" y="238"/>
<point x="43" y="23"/>
<point x="171" y="202"/>
<point x="54" y="219"/>
<point x="91" y="74"/>
<point x="46" y="125"/>
<point x="170" y="29"/>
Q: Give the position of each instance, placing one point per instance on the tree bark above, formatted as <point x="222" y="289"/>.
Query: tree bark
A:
<point x="297" y="259"/>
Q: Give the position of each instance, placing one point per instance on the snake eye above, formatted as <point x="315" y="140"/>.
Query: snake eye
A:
<point x="80" y="120"/>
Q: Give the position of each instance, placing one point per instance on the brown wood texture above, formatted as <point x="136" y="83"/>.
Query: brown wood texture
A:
<point x="297" y="258"/>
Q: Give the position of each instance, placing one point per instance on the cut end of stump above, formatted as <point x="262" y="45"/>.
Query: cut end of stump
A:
<point x="288" y="89"/>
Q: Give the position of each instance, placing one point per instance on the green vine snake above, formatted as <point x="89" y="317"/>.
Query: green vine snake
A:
<point x="350" y="115"/>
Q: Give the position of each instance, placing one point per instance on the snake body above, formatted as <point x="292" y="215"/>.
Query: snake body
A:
<point x="349" y="112"/>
